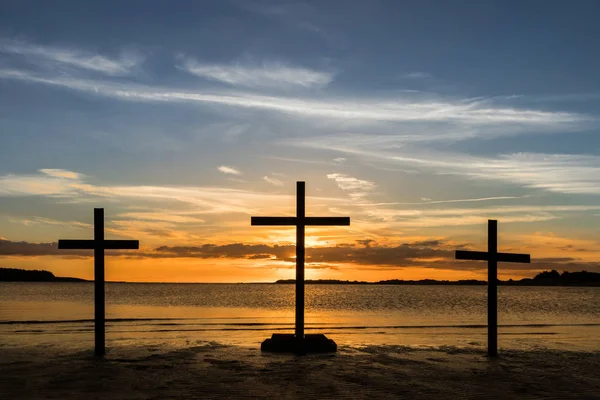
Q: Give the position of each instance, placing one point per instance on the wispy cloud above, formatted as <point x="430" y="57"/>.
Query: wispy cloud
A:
<point x="470" y="112"/>
<point x="203" y="200"/>
<point x="61" y="173"/>
<point x="427" y="218"/>
<point x="267" y="75"/>
<point x="36" y="185"/>
<point x="426" y="200"/>
<point x="431" y="254"/>
<point x="229" y="170"/>
<point x="161" y="215"/>
<point x="356" y="187"/>
<point x="72" y="57"/>
<point x="175" y="212"/>
<point x="49" y="221"/>
<point x="564" y="173"/>
<point x="417" y="75"/>
<point x="561" y="173"/>
<point x="273" y="181"/>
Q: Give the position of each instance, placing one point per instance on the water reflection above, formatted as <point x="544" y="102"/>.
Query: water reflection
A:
<point x="247" y="313"/>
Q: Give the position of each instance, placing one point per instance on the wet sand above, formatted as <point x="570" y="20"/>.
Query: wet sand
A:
<point x="212" y="370"/>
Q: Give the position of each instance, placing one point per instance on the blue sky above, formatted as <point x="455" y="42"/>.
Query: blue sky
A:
<point x="420" y="120"/>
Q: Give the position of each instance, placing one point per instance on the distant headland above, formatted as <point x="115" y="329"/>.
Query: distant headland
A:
<point x="546" y="278"/>
<point x="22" y="275"/>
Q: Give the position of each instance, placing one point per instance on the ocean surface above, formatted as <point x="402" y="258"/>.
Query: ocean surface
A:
<point x="565" y="318"/>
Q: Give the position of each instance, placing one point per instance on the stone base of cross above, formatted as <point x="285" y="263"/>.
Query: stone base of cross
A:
<point x="298" y="342"/>
<point x="289" y="343"/>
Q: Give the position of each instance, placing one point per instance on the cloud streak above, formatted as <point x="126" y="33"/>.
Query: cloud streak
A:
<point x="430" y="201"/>
<point x="432" y="217"/>
<point x="205" y="203"/>
<point x="267" y="75"/>
<point x="417" y="75"/>
<point x="229" y="170"/>
<point x="61" y="173"/>
<point x="561" y="173"/>
<point x="72" y="58"/>
<point x="273" y="181"/>
<point x="356" y="187"/>
<point x="359" y="255"/>
<point x="205" y="200"/>
<point x="479" y="112"/>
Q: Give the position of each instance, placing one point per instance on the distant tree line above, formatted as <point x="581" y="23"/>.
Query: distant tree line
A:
<point x="22" y="275"/>
<point x="546" y="278"/>
<point x="555" y="278"/>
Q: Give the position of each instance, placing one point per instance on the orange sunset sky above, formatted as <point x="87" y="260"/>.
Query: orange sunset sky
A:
<point x="183" y="122"/>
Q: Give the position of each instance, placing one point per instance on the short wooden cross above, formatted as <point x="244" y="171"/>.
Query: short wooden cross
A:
<point x="492" y="257"/>
<point x="98" y="244"/>
<point x="300" y="221"/>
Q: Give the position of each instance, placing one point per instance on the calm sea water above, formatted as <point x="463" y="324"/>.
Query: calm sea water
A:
<point x="245" y="314"/>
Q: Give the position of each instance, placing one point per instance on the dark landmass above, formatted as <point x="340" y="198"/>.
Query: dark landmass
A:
<point x="22" y="275"/>
<point x="386" y="282"/>
<point x="546" y="278"/>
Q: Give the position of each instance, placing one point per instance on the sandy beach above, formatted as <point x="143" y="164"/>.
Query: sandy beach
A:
<point x="212" y="370"/>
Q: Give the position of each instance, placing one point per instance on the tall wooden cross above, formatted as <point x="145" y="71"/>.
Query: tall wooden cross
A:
<point x="300" y="221"/>
<point x="98" y="244"/>
<point x="492" y="257"/>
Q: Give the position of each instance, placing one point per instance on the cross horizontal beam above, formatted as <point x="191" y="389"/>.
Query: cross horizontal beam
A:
<point x="92" y="244"/>
<point x="317" y="221"/>
<point x="484" y="256"/>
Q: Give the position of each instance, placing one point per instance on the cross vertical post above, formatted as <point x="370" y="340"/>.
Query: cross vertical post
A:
<point x="300" y="234"/>
<point x="99" y="244"/>
<point x="492" y="257"/>
<point x="99" y="301"/>
<point x="493" y="288"/>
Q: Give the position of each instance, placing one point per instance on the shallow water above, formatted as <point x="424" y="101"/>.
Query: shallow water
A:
<point x="529" y="317"/>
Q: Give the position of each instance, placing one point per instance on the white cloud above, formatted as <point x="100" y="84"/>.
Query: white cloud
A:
<point x="561" y="173"/>
<point x="48" y="221"/>
<point x="339" y="159"/>
<point x="469" y="112"/>
<point x="417" y="75"/>
<point x="73" y="58"/>
<point x="268" y="75"/>
<point x="35" y="185"/>
<point x="202" y="200"/>
<point x="564" y="173"/>
<point x="208" y="205"/>
<point x="465" y="220"/>
<point x="491" y="212"/>
<point x="426" y="200"/>
<point x="430" y="217"/>
<point x="273" y="181"/>
<point x="61" y="173"/>
<point x="357" y="187"/>
<point x="161" y="215"/>
<point x="229" y="170"/>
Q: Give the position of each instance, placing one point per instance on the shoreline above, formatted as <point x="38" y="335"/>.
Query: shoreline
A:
<point x="201" y="369"/>
<point x="341" y="283"/>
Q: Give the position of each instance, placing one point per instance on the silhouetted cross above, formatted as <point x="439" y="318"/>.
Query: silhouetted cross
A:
<point x="300" y="221"/>
<point x="492" y="256"/>
<point x="98" y="244"/>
